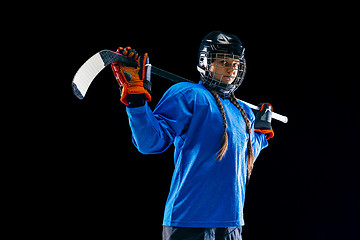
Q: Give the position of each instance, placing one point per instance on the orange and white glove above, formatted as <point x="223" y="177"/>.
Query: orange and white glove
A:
<point x="133" y="80"/>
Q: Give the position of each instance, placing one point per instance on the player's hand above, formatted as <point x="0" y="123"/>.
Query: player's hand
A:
<point x="133" y="80"/>
<point x="263" y="120"/>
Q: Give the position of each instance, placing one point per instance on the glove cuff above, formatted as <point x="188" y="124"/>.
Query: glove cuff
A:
<point x="268" y="132"/>
<point x="136" y="100"/>
<point x="136" y="88"/>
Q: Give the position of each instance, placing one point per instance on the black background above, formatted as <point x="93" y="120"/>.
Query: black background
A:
<point x="88" y="180"/>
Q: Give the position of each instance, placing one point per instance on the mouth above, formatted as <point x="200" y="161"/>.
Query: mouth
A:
<point x="228" y="77"/>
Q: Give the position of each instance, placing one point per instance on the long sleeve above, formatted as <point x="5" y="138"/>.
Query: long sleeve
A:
<point x="259" y="142"/>
<point x="154" y="132"/>
<point x="258" y="139"/>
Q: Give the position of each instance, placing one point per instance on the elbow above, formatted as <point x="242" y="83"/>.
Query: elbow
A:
<point x="143" y="150"/>
<point x="147" y="147"/>
<point x="140" y="147"/>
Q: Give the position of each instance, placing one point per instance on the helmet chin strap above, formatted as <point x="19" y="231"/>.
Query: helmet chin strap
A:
<point x="221" y="91"/>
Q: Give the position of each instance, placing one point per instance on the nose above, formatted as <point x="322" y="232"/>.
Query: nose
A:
<point x="230" y="69"/>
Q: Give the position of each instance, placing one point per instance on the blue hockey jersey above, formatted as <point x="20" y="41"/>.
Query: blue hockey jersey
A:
<point x="204" y="192"/>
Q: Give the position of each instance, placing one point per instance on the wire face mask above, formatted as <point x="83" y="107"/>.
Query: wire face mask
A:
<point x="223" y="72"/>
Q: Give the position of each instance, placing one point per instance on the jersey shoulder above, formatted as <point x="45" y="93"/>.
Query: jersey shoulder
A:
<point x="186" y="89"/>
<point x="248" y="110"/>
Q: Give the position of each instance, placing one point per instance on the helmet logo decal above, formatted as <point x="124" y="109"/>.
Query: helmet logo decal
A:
<point x="223" y="39"/>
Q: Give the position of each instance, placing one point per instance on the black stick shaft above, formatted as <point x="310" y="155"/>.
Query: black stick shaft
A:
<point x="168" y="75"/>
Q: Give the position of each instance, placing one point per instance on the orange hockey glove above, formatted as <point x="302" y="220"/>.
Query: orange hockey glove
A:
<point x="263" y="120"/>
<point x="133" y="80"/>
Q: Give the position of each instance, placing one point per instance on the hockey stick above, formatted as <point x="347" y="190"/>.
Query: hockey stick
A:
<point x="93" y="66"/>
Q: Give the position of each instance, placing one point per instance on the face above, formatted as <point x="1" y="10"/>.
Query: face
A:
<point x="224" y="69"/>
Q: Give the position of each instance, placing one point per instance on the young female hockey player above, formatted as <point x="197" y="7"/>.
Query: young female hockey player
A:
<point x="216" y="137"/>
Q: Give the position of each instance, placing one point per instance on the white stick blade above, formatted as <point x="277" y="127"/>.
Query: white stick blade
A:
<point x="86" y="74"/>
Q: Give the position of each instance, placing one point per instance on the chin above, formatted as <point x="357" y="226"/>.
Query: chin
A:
<point x="227" y="81"/>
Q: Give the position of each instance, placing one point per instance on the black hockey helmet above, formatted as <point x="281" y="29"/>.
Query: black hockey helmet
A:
<point x="215" y="48"/>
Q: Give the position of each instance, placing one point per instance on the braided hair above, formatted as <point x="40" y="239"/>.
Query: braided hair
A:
<point x="250" y="151"/>
<point x="224" y="141"/>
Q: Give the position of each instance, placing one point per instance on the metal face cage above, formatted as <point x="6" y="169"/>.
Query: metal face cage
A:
<point x="222" y="72"/>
